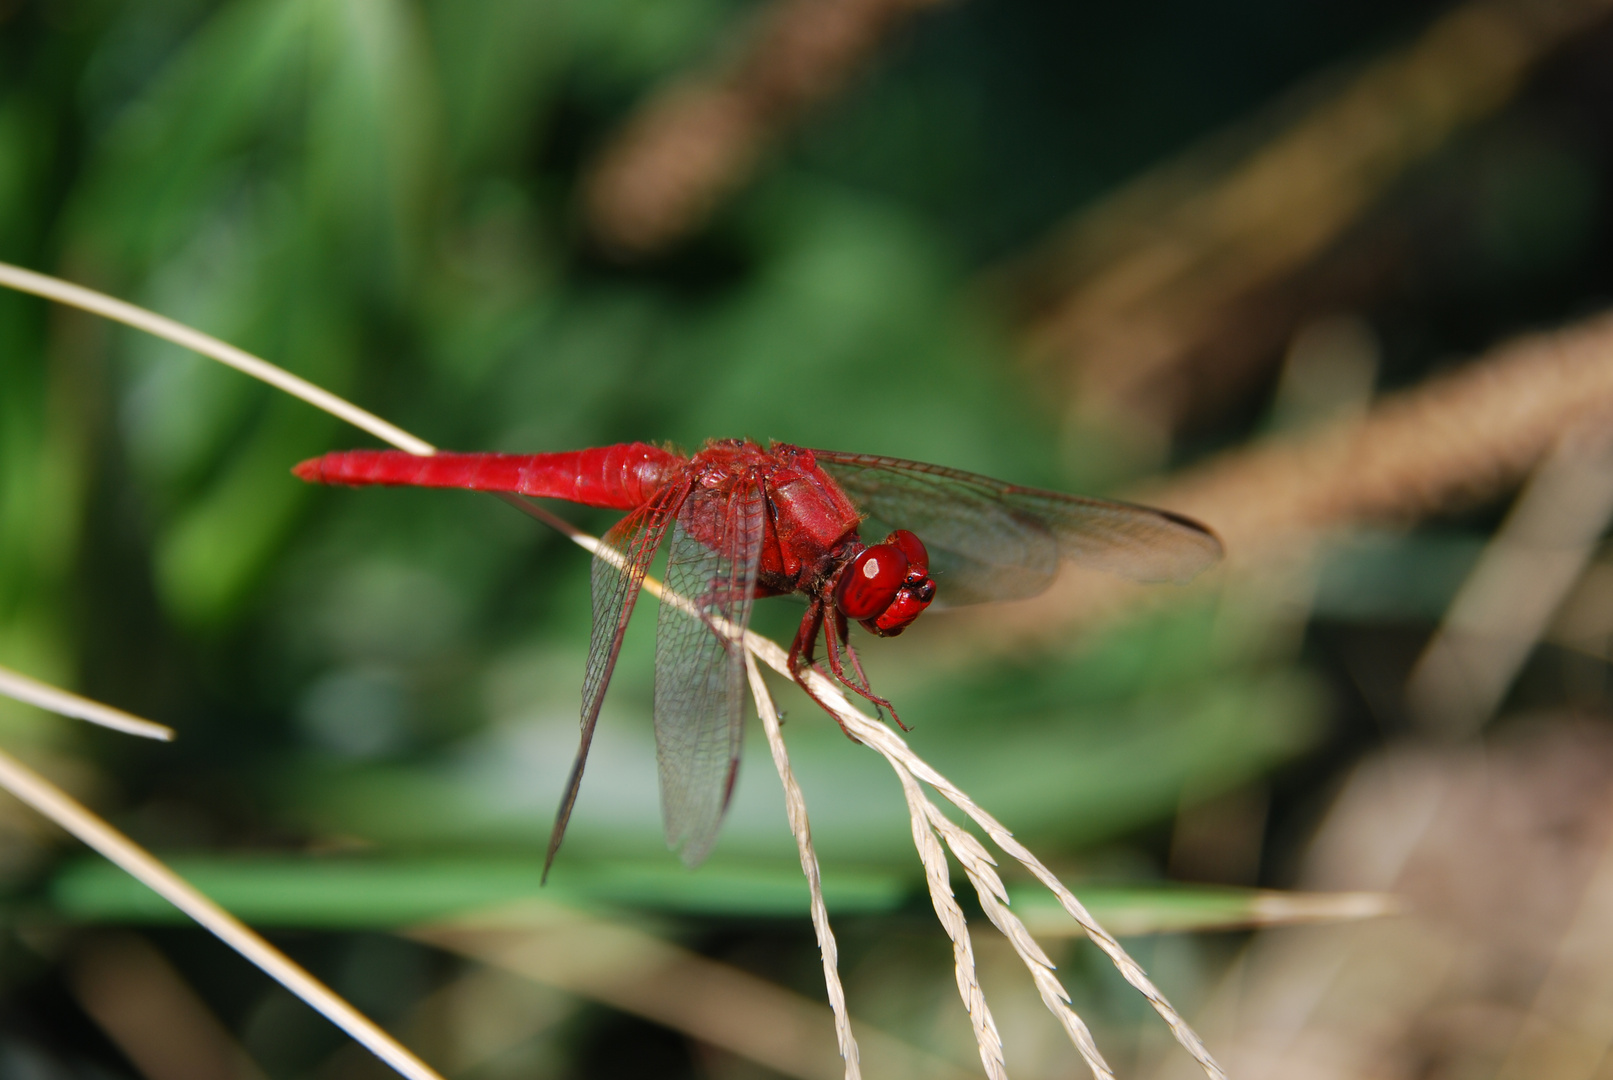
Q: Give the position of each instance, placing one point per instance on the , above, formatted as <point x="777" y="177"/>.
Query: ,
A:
<point x="744" y="522"/>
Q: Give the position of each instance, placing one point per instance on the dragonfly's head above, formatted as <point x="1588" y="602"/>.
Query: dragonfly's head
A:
<point x="886" y="586"/>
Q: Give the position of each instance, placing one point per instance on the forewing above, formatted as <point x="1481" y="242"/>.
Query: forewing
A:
<point x="625" y="554"/>
<point x="989" y="540"/>
<point x="699" y="661"/>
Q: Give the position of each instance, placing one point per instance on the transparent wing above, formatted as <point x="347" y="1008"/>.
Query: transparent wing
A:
<point x="989" y="540"/>
<point x="699" y="661"/>
<point x="625" y="554"/>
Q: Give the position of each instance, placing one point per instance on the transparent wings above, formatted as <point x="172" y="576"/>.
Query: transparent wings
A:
<point x="625" y="554"/>
<point x="989" y="540"/>
<point x="700" y="688"/>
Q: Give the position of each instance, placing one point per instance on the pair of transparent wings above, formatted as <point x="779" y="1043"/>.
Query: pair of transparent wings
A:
<point x="699" y="659"/>
<point x="988" y="540"/>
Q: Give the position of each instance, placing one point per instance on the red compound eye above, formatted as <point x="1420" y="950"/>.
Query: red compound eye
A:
<point x="918" y="557"/>
<point x="868" y="585"/>
<point x="916" y="592"/>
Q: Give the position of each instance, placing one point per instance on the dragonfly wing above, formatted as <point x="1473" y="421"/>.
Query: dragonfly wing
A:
<point x="699" y="661"/>
<point x="624" y="556"/>
<point x="989" y="540"/>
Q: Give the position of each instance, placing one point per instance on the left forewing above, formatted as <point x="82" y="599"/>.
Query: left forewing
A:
<point x="699" y="661"/>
